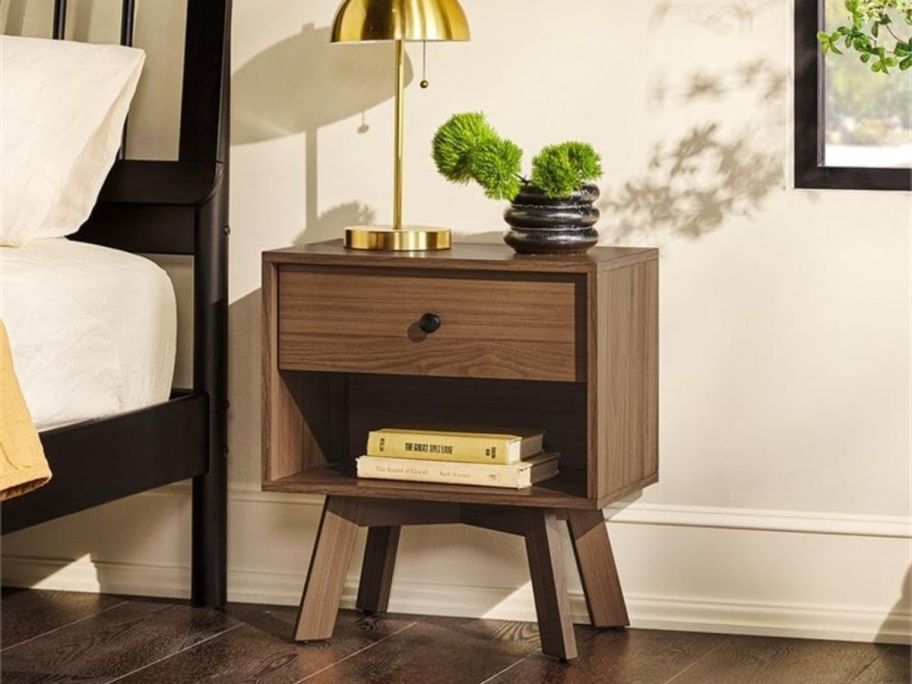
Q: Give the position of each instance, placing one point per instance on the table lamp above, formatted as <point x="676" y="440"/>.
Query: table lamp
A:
<point x="399" y="21"/>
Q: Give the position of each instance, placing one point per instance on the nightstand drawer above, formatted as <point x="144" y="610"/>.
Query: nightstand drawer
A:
<point x="368" y="321"/>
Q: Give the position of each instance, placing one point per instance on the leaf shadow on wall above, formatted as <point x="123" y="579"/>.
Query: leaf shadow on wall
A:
<point x="720" y="16"/>
<point x="713" y="171"/>
<point x="302" y="83"/>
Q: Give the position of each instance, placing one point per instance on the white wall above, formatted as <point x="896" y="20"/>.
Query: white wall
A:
<point x="784" y="502"/>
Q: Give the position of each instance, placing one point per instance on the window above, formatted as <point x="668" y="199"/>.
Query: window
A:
<point x="853" y="127"/>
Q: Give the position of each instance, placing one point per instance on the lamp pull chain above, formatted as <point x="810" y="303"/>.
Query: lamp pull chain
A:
<point x="424" y="82"/>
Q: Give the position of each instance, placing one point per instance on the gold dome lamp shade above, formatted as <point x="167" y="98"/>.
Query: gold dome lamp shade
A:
<point x="401" y="21"/>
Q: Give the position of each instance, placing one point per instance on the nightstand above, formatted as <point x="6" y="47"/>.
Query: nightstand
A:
<point x="568" y="345"/>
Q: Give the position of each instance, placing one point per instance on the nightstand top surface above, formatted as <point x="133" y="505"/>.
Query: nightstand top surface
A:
<point x="463" y="255"/>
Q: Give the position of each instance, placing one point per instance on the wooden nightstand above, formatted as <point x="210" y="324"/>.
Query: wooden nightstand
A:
<point x="568" y="345"/>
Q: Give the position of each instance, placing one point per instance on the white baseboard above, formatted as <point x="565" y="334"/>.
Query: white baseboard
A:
<point x="848" y="623"/>
<point x="668" y="515"/>
<point x="742" y="607"/>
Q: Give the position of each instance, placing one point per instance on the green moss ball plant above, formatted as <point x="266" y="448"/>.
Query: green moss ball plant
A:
<point x="495" y="165"/>
<point x="560" y="170"/>
<point x="467" y="148"/>
<point x="455" y="141"/>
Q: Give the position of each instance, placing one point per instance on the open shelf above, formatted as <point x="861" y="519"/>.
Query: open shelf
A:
<point x="338" y="410"/>
<point x="567" y="490"/>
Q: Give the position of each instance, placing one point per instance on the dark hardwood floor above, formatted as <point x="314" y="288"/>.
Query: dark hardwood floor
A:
<point x="66" y="637"/>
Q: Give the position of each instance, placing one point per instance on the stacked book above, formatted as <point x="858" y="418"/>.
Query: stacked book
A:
<point x="512" y="459"/>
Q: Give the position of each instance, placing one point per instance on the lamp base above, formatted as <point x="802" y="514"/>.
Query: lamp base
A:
<point x="405" y="239"/>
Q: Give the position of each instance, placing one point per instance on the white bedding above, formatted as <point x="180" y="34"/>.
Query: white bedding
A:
<point x="92" y="330"/>
<point x="63" y="105"/>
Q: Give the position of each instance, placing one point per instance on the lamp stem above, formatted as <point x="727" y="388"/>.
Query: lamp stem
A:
<point x="400" y="116"/>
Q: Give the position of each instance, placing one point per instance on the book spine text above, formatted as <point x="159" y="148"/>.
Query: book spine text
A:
<point x="429" y="447"/>
<point x="445" y="473"/>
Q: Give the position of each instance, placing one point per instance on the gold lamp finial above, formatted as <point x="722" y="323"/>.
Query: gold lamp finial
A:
<point x="400" y="21"/>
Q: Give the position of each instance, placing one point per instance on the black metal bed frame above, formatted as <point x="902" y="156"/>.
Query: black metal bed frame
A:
<point x="164" y="207"/>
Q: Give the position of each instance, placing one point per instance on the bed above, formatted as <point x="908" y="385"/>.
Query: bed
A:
<point x="119" y="431"/>
<point x="94" y="329"/>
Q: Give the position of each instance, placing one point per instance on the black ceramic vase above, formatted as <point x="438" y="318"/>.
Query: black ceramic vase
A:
<point x="542" y="225"/>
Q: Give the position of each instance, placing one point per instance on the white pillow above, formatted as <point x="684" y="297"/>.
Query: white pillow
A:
<point x="62" y="111"/>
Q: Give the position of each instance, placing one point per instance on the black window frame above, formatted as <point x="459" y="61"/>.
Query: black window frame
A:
<point x="810" y="110"/>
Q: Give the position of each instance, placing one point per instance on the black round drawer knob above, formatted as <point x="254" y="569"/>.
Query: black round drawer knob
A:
<point x="429" y="323"/>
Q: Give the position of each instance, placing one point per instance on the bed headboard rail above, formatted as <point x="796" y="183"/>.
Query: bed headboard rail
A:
<point x="154" y="206"/>
<point x="127" y="16"/>
<point x="60" y="14"/>
<point x="204" y="115"/>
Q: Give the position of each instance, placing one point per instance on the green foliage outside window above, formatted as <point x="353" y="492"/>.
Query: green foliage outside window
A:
<point x="873" y="31"/>
<point x="864" y="107"/>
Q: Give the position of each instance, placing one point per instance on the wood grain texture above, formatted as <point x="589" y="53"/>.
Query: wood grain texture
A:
<point x="890" y="666"/>
<point x="437" y="651"/>
<point x="26" y="614"/>
<point x="619" y="657"/>
<point x="463" y="256"/>
<point x="540" y="529"/>
<point x="558" y="493"/>
<point x="500" y="519"/>
<point x="567" y="346"/>
<point x="362" y="321"/>
<point x="377" y="569"/>
<point x="255" y="647"/>
<point x="366" y="512"/>
<point x="303" y="420"/>
<point x="597" y="569"/>
<point x="594" y="558"/>
<point x="549" y="585"/>
<point x="623" y="380"/>
<point x="306" y="424"/>
<point x="767" y="660"/>
<point x="283" y="422"/>
<point x="113" y="643"/>
<point x="329" y="563"/>
<point x="605" y="426"/>
<point x="260" y="651"/>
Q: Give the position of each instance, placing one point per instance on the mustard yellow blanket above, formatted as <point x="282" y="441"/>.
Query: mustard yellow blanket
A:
<point x="22" y="463"/>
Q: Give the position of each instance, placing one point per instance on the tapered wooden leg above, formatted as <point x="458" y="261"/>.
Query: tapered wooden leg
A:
<point x="546" y="566"/>
<point x="597" y="569"/>
<point x="328" y="567"/>
<point x="377" y="571"/>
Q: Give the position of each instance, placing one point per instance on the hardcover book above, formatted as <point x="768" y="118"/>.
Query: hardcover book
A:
<point x="516" y="476"/>
<point x="463" y="447"/>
